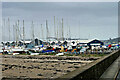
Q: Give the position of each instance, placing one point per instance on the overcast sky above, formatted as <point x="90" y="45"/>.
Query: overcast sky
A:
<point x="86" y="19"/>
<point x="59" y="0"/>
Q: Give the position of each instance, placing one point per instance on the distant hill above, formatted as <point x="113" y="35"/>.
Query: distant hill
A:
<point x="111" y="41"/>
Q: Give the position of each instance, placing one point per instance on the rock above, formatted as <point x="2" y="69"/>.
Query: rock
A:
<point x="40" y="74"/>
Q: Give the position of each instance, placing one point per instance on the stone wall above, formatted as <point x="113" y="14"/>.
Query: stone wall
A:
<point x="94" y="70"/>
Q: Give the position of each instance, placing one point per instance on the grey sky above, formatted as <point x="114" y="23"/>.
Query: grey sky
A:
<point x="59" y="0"/>
<point x="86" y="19"/>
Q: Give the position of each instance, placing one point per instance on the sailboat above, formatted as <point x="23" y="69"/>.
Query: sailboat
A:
<point x="17" y="49"/>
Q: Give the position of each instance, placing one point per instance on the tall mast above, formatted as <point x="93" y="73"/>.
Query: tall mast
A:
<point x="79" y="30"/>
<point x="18" y="30"/>
<point x="13" y="33"/>
<point x="33" y="31"/>
<point x="54" y="28"/>
<point x="41" y="32"/>
<point x="9" y="28"/>
<point x="69" y="33"/>
<point x="40" y="35"/>
<point x="47" y="31"/>
<point x="57" y="28"/>
<point x="62" y="30"/>
<point x="2" y="32"/>
<point x="23" y="34"/>
<point x="16" y="34"/>
<point x="3" y="27"/>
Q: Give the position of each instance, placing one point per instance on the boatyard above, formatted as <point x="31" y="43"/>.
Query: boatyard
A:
<point x="37" y="58"/>
<point x="51" y="46"/>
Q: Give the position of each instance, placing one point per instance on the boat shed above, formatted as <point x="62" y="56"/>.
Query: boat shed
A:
<point x="95" y="43"/>
<point x="92" y="42"/>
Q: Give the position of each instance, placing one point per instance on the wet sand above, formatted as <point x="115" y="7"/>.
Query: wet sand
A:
<point x="41" y="66"/>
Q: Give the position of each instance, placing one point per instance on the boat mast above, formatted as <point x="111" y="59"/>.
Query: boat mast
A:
<point x="32" y="31"/>
<point x="69" y="34"/>
<point x="9" y="27"/>
<point x="57" y="28"/>
<point x="79" y="30"/>
<point x="47" y="30"/>
<point x="16" y="34"/>
<point x="23" y="35"/>
<point x="67" y="31"/>
<point x="62" y="31"/>
<point x="54" y="28"/>
<point x="3" y="27"/>
<point x="18" y="31"/>
<point x="13" y="33"/>
<point x="42" y="33"/>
